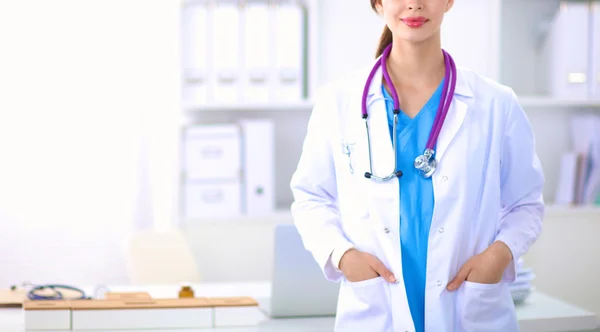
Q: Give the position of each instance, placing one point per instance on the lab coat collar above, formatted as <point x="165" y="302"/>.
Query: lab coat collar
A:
<point x="462" y="86"/>
<point x="452" y="124"/>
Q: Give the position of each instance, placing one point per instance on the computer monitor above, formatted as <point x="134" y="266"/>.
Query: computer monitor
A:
<point x="299" y="288"/>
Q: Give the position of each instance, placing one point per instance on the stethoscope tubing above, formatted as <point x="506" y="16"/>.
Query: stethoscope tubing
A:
<point x="58" y="295"/>
<point x="448" y="92"/>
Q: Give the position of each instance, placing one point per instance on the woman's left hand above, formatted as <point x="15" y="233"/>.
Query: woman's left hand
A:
<point x="484" y="268"/>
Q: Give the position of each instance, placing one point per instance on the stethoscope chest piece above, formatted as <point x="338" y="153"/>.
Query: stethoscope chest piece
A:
<point x="426" y="163"/>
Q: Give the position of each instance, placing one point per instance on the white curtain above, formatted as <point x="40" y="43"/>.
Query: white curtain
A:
<point x="89" y="104"/>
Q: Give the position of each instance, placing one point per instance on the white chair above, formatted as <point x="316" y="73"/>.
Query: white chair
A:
<point x="161" y="258"/>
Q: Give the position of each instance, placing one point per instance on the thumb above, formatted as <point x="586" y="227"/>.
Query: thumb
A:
<point x="382" y="270"/>
<point x="461" y="276"/>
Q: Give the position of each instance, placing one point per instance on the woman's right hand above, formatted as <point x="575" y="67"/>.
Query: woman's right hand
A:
<point x="360" y="266"/>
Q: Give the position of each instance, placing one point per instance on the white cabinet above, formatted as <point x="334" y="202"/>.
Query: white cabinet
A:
<point x="263" y="86"/>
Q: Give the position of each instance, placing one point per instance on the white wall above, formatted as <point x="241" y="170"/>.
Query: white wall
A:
<point x="349" y="32"/>
<point x="566" y="258"/>
<point x="80" y="82"/>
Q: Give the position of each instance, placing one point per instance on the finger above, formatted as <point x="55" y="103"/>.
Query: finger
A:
<point x="461" y="276"/>
<point x="382" y="270"/>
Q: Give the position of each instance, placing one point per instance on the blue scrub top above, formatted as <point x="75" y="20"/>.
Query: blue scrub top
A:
<point x="416" y="199"/>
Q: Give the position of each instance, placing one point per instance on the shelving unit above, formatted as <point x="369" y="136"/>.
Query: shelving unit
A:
<point x="283" y="215"/>
<point x="505" y="47"/>
<point x="290" y="118"/>
<point x="577" y="212"/>
<point x="250" y="107"/>
<point x="534" y="102"/>
<point x="522" y="65"/>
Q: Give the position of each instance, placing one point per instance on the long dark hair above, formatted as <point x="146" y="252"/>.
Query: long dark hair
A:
<point x="386" y="37"/>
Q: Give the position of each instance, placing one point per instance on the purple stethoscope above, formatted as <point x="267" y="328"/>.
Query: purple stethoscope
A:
<point x="426" y="163"/>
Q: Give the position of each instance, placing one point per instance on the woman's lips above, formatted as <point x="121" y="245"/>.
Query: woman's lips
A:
<point x="415" y="22"/>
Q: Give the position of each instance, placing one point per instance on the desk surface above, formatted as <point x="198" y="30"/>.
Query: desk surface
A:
<point x="540" y="313"/>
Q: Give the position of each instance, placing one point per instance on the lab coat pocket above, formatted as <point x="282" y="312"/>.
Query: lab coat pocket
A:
<point x="485" y="307"/>
<point x="364" y="306"/>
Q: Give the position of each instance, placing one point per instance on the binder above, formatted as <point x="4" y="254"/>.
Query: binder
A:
<point x="257" y="52"/>
<point x="565" y="191"/>
<point x="259" y="166"/>
<point x="289" y="52"/>
<point x="595" y="79"/>
<point x="568" y="47"/>
<point x="195" y="58"/>
<point x="226" y="52"/>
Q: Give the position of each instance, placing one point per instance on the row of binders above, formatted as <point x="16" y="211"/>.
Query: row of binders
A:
<point x="572" y="51"/>
<point x="579" y="180"/>
<point x="250" y="51"/>
<point x="229" y="169"/>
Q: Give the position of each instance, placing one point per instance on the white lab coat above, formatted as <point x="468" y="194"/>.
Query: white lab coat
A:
<point x="487" y="187"/>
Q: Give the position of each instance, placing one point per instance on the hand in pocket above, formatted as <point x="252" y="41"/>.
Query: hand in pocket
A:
<point x="484" y="268"/>
<point x="360" y="266"/>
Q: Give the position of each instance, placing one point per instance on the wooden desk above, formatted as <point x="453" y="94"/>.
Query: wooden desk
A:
<point x="540" y="313"/>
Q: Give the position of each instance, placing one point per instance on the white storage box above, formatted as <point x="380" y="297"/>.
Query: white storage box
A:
<point x="212" y="152"/>
<point x="203" y="199"/>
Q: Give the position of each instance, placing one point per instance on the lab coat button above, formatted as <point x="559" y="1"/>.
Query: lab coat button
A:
<point x="441" y="230"/>
<point x="386" y="230"/>
<point x="444" y="178"/>
<point x="439" y="282"/>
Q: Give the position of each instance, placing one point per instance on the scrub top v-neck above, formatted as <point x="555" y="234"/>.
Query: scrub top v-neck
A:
<point x="416" y="199"/>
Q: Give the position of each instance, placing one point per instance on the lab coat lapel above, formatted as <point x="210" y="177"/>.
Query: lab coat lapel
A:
<point x="456" y="115"/>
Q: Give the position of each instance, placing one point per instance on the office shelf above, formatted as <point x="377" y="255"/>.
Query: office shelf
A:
<point x="285" y="216"/>
<point x="581" y="211"/>
<point x="252" y="107"/>
<point x="282" y="216"/>
<point x="550" y="102"/>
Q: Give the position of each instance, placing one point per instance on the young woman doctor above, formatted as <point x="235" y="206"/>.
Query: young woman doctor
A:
<point x="418" y="187"/>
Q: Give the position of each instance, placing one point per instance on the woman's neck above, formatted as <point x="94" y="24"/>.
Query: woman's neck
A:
<point x="416" y="64"/>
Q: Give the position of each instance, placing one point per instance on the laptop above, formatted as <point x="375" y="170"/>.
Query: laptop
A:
<point x="299" y="288"/>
